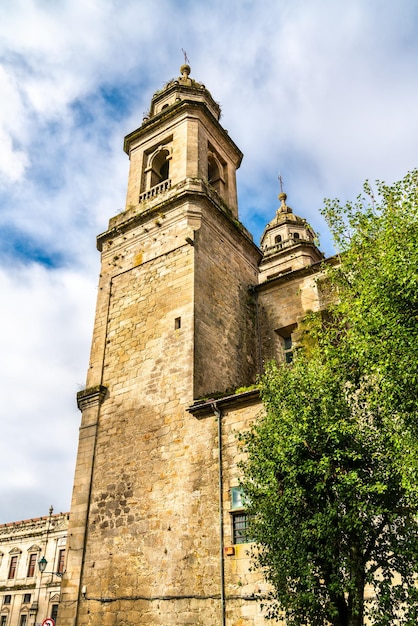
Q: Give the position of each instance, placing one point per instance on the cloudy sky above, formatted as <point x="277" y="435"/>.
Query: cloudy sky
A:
<point x="324" y="91"/>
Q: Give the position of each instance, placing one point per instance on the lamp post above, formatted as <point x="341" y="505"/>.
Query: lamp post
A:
<point x="42" y="563"/>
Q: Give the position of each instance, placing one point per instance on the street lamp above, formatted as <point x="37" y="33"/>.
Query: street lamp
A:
<point x="42" y="563"/>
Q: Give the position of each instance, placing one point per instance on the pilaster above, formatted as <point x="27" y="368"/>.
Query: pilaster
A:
<point x="89" y="401"/>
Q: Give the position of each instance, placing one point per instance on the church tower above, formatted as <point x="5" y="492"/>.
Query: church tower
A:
<point x="175" y="322"/>
<point x="288" y="244"/>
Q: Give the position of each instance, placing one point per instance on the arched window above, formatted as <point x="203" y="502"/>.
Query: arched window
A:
<point x="296" y="236"/>
<point x="160" y="167"/>
<point x="277" y="239"/>
<point x="214" y="173"/>
<point x="213" y="168"/>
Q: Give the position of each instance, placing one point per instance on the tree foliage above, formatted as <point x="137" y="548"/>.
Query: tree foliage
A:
<point x="332" y="473"/>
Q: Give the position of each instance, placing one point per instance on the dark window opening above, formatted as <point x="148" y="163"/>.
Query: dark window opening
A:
<point x="7" y="599"/>
<point x="285" y="343"/>
<point x="31" y="565"/>
<point x="54" y="612"/>
<point x="287" y="349"/>
<point x="23" y="620"/>
<point x="12" y="567"/>
<point x="215" y="173"/>
<point x="160" y="168"/>
<point x="240" y="525"/>
<point x="296" y="236"/>
<point x="213" y="169"/>
<point x="164" y="170"/>
<point x="278" y="239"/>
<point x="61" y="562"/>
<point x="26" y="598"/>
<point x="177" y="323"/>
<point x="3" y="621"/>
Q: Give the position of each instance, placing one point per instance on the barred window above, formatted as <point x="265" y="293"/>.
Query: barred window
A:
<point x="288" y="349"/>
<point x="240" y="528"/>
<point x="239" y="516"/>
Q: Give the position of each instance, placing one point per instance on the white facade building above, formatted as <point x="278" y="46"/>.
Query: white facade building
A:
<point x="27" y="595"/>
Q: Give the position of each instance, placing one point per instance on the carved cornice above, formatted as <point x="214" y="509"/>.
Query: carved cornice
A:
<point x="34" y="548"/>
<point x="91" y="396"/>
<point x="205" y="408"/>
<point x="189" y="189"/>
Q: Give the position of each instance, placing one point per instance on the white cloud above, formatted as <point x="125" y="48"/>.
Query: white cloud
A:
<point x="322" y="91"/>
<point x="13" y="160"/>
<point x="44" y="335"/>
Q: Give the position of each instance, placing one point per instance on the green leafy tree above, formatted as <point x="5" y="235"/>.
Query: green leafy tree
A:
<point x="332" y="472"/>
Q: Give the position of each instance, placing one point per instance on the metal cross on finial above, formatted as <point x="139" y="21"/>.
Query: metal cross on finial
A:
<point x="186" y="59"/>
<point x="281" y="182"/>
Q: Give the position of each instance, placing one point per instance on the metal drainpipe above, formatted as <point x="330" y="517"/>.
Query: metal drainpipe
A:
<point x="218" y="415"/>
<point x="252" y="289"/>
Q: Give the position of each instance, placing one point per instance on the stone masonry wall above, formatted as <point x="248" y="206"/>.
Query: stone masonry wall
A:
<point x="148" y="480"/>
<point x="225" y="337"/>
<point x="240" y="582"/>
<point x="282" y="303"/>
<point x="152" y="541"/>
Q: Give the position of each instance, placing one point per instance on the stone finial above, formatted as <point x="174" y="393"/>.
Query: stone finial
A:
<point x="184" y="78"/>
<point x="283" y="206"/>
<point x="185" y="70"/>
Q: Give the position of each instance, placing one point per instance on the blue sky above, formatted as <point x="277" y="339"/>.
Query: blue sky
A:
<point x="325" y="92"/>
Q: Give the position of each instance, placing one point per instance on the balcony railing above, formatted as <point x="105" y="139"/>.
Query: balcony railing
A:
<point x="156" y="190"/>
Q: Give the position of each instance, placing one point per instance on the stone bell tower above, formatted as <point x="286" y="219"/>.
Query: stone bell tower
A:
<point x="175" y="322"/>
<point x="288" y="244"/>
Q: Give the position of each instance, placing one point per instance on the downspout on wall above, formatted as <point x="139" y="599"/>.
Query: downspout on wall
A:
<point x="218" y="415"/>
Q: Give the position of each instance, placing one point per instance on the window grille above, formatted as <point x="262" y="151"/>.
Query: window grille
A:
<point x="287" y="349"/>
<point x="240" y="528"/>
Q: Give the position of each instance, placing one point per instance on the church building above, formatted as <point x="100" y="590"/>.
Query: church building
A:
<point x="188" y="310"/>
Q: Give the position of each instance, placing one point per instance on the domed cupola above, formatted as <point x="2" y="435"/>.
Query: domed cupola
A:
<point x="179" y="89"/>
<point x="287" y="243"/>
<point x="181" y="147"/>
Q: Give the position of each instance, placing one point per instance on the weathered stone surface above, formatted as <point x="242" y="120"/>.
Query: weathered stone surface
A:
<point x="179" y="317"/>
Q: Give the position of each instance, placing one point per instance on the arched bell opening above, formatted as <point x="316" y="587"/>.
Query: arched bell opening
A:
<point x="160" y="167"/>
<point x="216" y="173"/>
